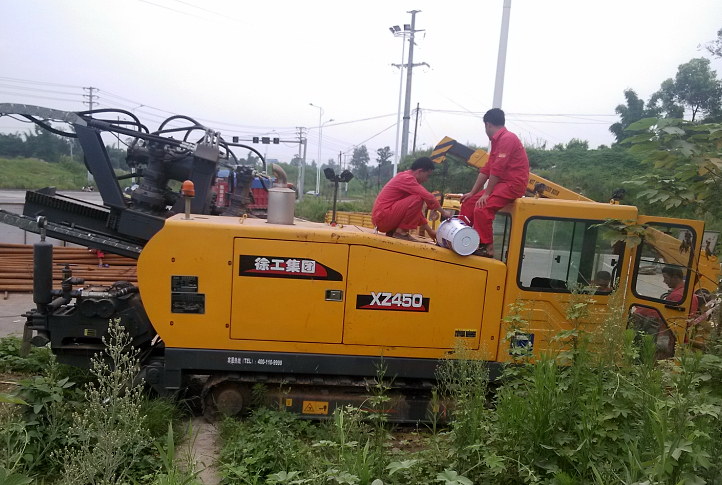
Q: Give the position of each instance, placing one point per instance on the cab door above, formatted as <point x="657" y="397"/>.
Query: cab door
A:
<point x="671" y="245"/>
<point x="558" y="247"/>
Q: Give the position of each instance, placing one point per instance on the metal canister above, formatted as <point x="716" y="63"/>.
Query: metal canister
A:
<point x="457" y="236"/>
<point x="281" y="204"/>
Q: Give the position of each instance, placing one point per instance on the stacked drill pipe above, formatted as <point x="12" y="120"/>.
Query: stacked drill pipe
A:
<point x="16" y="267"/>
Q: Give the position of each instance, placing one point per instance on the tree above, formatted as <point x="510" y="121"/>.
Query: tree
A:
<point x="714" y="47"/>
<point x="577" y="144"/>
<point x="360" y="158"/>
<point x="633" y="111"/>
<point x="663" y="103"/>
<point x="331" y="163"/>
<point x="695" y="86"/>
<point x="40" y="144"/>
<point x="385" y="168"/>
<point x="685" y="162"/>
<point x="251" y="160"/>
<point x="359" y="165"/>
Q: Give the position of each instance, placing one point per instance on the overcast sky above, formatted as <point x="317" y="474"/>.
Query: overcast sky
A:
<point x="252" y="67"/>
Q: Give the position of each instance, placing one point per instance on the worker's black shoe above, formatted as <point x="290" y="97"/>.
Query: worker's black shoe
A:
<point x="482" y="251"/>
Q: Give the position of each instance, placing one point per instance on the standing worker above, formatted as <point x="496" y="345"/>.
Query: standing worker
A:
<point x="398" y="206"/>
<point x="508" y="174"/>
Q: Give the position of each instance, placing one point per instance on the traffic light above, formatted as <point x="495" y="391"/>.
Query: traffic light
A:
<point x="255" y="139"/>
<point x="266" y="140"/>
<point x="276" y="141"/>
<point x="235" y="139"/>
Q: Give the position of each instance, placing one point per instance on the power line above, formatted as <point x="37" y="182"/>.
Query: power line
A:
<point x="35" y="96"/>
<point x="476" y="113"/>
<point x="26" y="81"/>
<point x="36" y="90"/>
<point x="370" y="138"/>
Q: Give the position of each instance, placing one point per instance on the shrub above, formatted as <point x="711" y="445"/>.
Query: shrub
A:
<point x="110" y="439"/>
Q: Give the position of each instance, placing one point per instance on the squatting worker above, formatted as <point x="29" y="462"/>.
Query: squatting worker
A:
<point x="398" y="206"/>
<point x="507" y="172"/>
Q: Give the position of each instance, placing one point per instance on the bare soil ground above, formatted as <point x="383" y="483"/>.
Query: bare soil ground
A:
<point x="204" y="451"/>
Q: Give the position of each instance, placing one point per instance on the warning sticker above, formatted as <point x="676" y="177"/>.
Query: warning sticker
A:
<point x="315" y="407"/>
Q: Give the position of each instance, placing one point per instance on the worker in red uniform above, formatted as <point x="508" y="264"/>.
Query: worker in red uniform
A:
<point x="398" y="206"/>
<point x="673" y="277"/>
<point x="507" y="173"/>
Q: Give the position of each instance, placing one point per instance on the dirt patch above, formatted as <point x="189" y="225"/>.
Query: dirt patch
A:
<point x="205" y="450"/>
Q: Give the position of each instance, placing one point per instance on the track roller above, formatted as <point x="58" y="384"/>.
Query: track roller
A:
<point x="224" y="397"/>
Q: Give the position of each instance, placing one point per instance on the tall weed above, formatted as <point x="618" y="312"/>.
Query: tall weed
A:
<point x="110" y="439"/>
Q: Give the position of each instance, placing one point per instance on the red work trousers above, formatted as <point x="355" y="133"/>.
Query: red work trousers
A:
<point x="403" y="214"/>
<point x="482" y="217"/>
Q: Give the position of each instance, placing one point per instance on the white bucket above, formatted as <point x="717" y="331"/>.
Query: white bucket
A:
<point x="457" y="236"/>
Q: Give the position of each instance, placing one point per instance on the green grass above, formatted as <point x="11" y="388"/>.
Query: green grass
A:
<point x="606" y="416"/>
<point x="315" y="208"/>
<point x="27" y="173"/>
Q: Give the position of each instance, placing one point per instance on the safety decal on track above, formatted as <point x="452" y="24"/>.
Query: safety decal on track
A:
<point x="315" y="407"/>
<point x="399" y="302"/>
<point x="285" y="267"/>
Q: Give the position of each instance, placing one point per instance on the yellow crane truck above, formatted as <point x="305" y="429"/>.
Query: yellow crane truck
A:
<point x="312" y="310"/>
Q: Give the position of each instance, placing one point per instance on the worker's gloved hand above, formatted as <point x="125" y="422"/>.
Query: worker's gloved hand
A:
<point x="446" y="214"/>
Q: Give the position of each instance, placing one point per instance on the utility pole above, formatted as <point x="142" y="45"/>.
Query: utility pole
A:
<point x="90" y="96"/>
<point x="395" y="31"/>
<point x="301" y="167"/>
<point x="501" y="59"/>
<point x="409" y="70"/>
<point x="416" y="128"/>
<point x="90" y="102"/>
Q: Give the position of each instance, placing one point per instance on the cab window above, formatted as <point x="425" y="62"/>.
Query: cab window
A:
<point x="662" y="266"/>
<point x="559" y="254"/>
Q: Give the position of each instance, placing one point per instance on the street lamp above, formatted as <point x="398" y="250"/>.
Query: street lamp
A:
<point x="397" y="32"/>
<point x="320" y="142"/>
<point x="318" y="167"/>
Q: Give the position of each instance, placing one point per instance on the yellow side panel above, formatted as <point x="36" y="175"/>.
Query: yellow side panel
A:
<point x="405" y="301"/>
<point x="280" y="290"/>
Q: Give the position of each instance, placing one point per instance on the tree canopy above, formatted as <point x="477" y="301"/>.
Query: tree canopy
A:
<point x="714" y="47"/>
<point x="633" y="110"/>
<point x="695" y="87"/>
<point x="684" y="160"/>
<point x="38" y="144"/>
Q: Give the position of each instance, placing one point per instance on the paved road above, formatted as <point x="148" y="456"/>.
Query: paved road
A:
<point x="18" y="196"/>
<point x="13" y="201"/>
<point x="11" y="323"/>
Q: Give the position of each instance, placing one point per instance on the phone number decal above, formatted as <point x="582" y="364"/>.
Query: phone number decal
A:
<point x="249" y="361"/>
